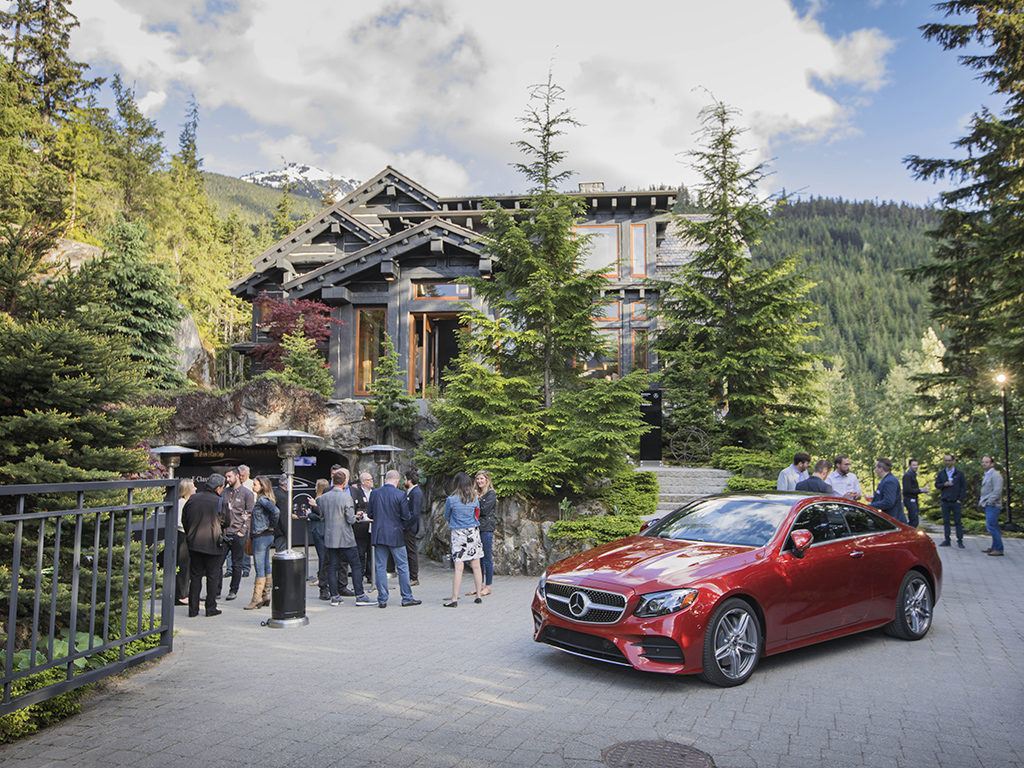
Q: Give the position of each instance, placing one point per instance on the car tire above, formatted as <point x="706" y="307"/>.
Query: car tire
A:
<point x="732" y="644"/>
<point x="915" y="605"/>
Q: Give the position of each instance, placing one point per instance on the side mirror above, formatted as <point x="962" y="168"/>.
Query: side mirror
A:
<point x="647" y="524"/>
<point x="802" y="539"/>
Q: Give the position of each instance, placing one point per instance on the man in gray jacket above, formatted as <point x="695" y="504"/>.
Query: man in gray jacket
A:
<point x="990" y="501"/>
<point x="339" y="513"/>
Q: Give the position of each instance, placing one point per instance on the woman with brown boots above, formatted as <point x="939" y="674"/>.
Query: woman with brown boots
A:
<point x="264" y="519"/>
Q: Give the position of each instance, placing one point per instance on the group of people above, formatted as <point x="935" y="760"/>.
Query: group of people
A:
<point x="233" y="517"/>
<point x="892" y="497"/>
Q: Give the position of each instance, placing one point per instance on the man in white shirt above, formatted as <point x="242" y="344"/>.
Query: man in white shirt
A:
<point x="793" y="474"/>
<point x="990" y="501"/>
<point x="843" y="481"/>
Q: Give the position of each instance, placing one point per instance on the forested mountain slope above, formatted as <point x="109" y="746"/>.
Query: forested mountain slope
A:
<point x="255" y="204"/>
<point x="870" y="311"/>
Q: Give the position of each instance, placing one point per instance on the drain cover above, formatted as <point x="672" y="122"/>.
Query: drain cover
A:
<point x="655" y="754"/>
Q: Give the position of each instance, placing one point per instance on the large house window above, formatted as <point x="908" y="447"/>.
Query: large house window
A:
<point x="370" y="327"/>
<point x="605" y="313"/>
<point x="641" y="358"/>
<point x="606" y="365"/>
<point x="638" y="250"/>
<point x="449" y="291"/>
<point x="604" y="248"/>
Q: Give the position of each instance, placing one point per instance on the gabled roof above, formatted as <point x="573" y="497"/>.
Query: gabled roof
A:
<point x="380" y="183"/>
<point x="434" y="229"/>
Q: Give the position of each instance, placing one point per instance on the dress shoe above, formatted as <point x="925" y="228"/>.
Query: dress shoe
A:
<point x="231" y="596"/>
<point x="414" y="582"/>
<point x="214" y="612"/>
<point x="407" y="603"/>
<point x="382" y="605"/>
<point x="191" y="614"/>
<point x="995" y="553"/>
<point x="944" y="544"/>
<point x="960" y="544"/>
<point x="987" y="550"/>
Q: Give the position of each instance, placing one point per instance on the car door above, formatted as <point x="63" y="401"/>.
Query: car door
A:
<point x="880" y="557"/>
<point x="824" y="589"/>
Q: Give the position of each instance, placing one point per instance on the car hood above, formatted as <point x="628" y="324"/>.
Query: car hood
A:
<point x="640" y="562"/>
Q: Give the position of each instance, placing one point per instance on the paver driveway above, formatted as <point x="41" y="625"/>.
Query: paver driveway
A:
<point x="430" y="686"/>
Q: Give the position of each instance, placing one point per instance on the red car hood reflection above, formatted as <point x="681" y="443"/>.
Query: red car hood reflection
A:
<point x="639" y="561"/>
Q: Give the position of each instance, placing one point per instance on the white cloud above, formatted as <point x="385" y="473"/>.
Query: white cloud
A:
<point x="434" y="87"/>
<point x="150" y="103"/>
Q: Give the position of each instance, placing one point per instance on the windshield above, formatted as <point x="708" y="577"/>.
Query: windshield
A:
<point x="724" y="520"/>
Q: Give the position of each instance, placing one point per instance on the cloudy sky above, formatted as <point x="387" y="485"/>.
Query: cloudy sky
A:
<point x="834" y="92"/>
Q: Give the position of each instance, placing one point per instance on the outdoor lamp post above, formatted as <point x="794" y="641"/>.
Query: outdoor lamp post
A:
<point x="1009" y="525"/>
<point x="382" y="455"/>
<point x="288" y="569"/>
<point x="170" y="456"/>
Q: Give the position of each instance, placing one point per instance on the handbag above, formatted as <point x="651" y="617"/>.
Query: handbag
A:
<point x="248" y="546"/>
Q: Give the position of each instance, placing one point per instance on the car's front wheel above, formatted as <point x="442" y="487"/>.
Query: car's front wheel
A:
<point x="732" y="644"/>
<point x="914" y="606"/>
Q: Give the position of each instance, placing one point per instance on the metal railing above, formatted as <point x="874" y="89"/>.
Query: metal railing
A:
<point x="86" y="583"/>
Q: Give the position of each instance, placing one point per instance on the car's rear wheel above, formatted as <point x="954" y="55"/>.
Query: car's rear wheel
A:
<point x="732" y="644"/>
<point x="914" y="606"/>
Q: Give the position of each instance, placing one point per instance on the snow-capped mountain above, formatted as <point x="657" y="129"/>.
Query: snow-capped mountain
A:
<point x="305" y="180"/>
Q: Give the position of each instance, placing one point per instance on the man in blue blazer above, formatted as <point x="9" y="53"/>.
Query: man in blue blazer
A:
<point x="888" y="497"/>
<point x="952" y="487"/>
<point x="388" y="511"/>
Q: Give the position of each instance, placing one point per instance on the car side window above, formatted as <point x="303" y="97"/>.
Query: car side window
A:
<point x="862" y="521"/>
<point x="825" y="521"/>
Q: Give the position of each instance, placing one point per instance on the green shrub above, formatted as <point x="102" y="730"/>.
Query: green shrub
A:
<point x="741" y="484"/>
<point x="600" y="529"/>
<point x="30" y="719"/>
<point x="632" y="494"/>
<point x="736" y="460"/>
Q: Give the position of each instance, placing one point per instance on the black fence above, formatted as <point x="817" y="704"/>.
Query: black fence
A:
<point x="86" y="583"/>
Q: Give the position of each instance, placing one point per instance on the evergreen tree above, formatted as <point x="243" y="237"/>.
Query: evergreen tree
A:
<point x="303" y="365"/>
<point x="282" y="223"/>
<point x="146" y="308"/>
<point x="731" y="335"/>
<point x="394" y="409"/>
<point x="540" y="292"/>
<point x="977" y="275"/>
<point x="136" y="153"/>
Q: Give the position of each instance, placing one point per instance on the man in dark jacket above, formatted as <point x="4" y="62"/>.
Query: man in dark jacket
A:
<point x="387" y="510"/>
<point x="414" y="506"/>
<point x="952" y="486"/>
<point x="816" y="482"/>
<point x="888" y="497"/>
<point x="204" y="519"/>
<point x="911" y="492"/>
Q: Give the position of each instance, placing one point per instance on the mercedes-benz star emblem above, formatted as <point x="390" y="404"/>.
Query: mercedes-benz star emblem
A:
<point x="579" y="604"/>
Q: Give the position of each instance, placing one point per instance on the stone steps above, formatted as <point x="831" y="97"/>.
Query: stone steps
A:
<point x="681" y="485"/>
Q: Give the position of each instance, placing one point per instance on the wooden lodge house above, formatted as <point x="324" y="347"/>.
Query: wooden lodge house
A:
<point x="386" y="259"/>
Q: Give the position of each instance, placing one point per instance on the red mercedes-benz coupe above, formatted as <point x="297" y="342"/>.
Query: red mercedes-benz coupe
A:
<point x="716" y="584"/>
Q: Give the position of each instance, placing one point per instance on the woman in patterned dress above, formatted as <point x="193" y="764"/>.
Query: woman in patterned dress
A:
<point x="462" y="511"/>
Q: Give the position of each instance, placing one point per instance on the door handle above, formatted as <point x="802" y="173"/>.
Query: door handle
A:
<point x="856" y="553"/>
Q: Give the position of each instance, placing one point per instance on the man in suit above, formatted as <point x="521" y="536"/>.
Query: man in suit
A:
<point x="414" y="502"/>
<point x="205" y="518"/>
<point x="388" y="511"/>
<point x="952" y="488"/>
<point x="911" y="492"/>
<point x="360" y="492"/>
<point x="338" y="513"/>
<point x="888" y="497"/>
<point x="816" y="482"/>
<point x="990" y="501"/>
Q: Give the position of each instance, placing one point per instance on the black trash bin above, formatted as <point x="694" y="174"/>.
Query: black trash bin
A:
<point x="288" y="597"/>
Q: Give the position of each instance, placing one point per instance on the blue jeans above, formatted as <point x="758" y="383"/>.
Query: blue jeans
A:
<point x="913" y="511"/>
<point x="953" y="508"/>
<point x="380" y="561"/>
<point x="992" y="523"/>
<point x="487" y="561"/>
<point x="261" y="554"/>
<point x="317" y="535"/>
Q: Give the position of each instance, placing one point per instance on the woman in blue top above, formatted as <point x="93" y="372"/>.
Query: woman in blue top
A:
<point x="462" y="512"/>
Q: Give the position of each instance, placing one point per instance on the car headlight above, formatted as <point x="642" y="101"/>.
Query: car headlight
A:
<point x="541" y="585"/>
<point x="663" y="603"/>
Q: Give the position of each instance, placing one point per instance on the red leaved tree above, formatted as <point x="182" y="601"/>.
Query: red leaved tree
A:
<point x="280" y="316"/>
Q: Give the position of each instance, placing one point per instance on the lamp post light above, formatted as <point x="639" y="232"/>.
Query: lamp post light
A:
<point x="170" y="456"/>
<point x="288" y="569"/>
<point x="382" y="455"/>
<point x="1002" y="379"/>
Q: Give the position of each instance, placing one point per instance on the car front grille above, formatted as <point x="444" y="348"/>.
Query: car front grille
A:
<point x="592" y="606"/>
<point x="582" y="644"/>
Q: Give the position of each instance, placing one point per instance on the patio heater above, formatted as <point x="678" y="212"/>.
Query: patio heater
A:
<point x="170" y="456"/>
<point x="288" y="568"/>
<point x="382" y="454"/>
